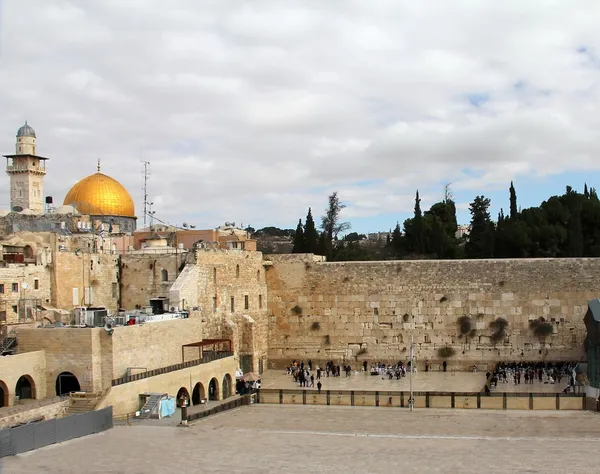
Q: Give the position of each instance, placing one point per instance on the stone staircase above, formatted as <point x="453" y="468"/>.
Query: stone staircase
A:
<point x="83" y="402"/>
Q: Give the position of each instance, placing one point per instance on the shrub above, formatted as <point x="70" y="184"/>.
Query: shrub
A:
<point x="443" y="298"/>
<point x="498" y="327"/>
<point x="405" y="317"/>
<point x="315" y="326"/>
<point x="465" y="325"/>
<point x="541" y="328"/>
<point x="297" y="310"/>
<point x="446" y="352"/>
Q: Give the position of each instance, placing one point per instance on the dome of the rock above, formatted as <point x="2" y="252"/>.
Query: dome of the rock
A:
<point x="100" y="195"/>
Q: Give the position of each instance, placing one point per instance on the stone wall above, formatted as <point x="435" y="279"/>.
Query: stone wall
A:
<point x="72" y="350"/>
<point x="74" y="273"/>
<point x="232" y="299"/>
<point x="125" y="398"/>
<point x="359" y="311"/>
<point x="143" y="277"/>
<point x="47" y="409"/>
<point x="32" y="365"/>
<point x="154" y="345"/>
<point x="96" y="358"/>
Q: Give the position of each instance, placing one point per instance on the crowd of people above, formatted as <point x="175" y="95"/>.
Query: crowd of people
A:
<point x="530" y="372"/>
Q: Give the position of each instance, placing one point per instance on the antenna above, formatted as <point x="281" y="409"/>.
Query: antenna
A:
<point x="145" y="189"/>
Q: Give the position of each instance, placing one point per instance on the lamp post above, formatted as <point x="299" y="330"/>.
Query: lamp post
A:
<point x="411" y="401"/>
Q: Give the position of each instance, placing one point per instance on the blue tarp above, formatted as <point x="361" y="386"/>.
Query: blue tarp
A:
<point x="167" y="407"/>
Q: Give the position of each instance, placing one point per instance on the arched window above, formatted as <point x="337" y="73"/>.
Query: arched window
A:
<point x="165" y="275"/>
<point x="237" y="271"/>
<point x="215" y="275"/>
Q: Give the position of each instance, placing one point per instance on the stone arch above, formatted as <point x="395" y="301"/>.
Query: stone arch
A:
<point x="3" y="394"/>
<point x="237" y="271"/>
<point x="66" y="383"/>
<point x="164" y="274"/>
<point x="28" y="251"/>
<point x="25" y="388"/>
<point x="213" y="389"/>
<point x="227" y="386"/>
<point x="183" y="397"/>
<point x="198" y="394"/>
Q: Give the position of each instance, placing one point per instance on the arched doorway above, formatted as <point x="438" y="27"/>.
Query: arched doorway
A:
<point x="198" y="394"/>
<point x="66" y="383"/>
<point x="183" y="397"/>
<point x="213" y="389"/>
<point x="226" y="386"/>
<point x="3" y="394"/>
<point x="25" y="388"/>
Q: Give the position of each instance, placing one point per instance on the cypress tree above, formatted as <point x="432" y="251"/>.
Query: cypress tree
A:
<point x="299" y="239"/>
<point x="311" y="236"/>
<point x="513" y="202"/>
<point x="585" y="191"/>
<point x="418" y="226"/>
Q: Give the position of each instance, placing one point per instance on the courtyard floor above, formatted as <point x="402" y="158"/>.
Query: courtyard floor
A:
<point x="304" y="439"/>
<point x="422" y="382"/>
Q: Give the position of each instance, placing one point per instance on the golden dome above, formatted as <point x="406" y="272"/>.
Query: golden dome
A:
<point x="100" y="195"/>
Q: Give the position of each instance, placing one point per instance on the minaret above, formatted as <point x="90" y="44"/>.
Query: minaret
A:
<point x="26" y="170"/>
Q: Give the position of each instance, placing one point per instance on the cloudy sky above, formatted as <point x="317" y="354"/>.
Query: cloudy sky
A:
<point x="253" y="111"/>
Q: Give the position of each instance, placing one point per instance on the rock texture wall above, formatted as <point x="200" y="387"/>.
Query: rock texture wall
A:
<point x="367" y="310"/>
<point x="232" y="298"/>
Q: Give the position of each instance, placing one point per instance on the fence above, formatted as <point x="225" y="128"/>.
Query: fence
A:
<point x="238" y="402"/>
<point x="491" y="401"/>
<point x="37" y="435"/>
<point x="171" y="368"/>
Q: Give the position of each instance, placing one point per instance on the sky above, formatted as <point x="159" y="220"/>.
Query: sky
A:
<point x="252" y="112"/>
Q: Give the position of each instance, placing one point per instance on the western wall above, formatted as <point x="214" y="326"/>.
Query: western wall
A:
<point x="355" y="311"/>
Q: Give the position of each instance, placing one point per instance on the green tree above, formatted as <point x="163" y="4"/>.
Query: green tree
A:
<point x="299" y="239"/>
<point x="513" y="202"/>
<point x="311" y="236"/>
<point x="480" y="243"/>
<point x="331" y="223"/>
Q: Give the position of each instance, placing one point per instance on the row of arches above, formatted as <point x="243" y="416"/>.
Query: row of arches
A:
<point x="199" y="393"/>
<point x="25" y="388"/>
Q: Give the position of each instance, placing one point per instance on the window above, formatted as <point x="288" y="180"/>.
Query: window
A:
<point x="1" y="287"/>
<point x="260" y="301"/>
<point x="36" y="284"/>
<point x="14" y="308"/>
<point x="232" y="304"/>
<point x="246" y="302"/>
<point x="15" y="287"/>
<point x="2" y="315"/>
<point x="215" y="275"/>
<point x="165" y="275"/>
<point x="375" y="311"/>
<point x="214" y="304"/>
<point x="115" y="289"/>
<point x="237" y="271"/>
<point x="257" y="275"/>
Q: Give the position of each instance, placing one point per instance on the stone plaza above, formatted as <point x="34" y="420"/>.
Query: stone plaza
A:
<point x="289" y="439"/>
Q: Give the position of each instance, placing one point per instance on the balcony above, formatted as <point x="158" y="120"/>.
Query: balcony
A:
<point x="26" y="168"/>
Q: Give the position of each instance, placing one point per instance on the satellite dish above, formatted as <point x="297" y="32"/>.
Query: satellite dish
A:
<point x="25" y="285"/>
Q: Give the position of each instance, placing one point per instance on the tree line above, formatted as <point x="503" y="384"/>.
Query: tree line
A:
<point x="562" y="226"/>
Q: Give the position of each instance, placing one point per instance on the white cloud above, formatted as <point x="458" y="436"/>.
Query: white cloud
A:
<point x="253" y="112"/>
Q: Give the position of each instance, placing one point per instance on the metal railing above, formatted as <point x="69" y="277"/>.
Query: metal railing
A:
<point x="247" y="399"/>
<point x="171" y="368"/>
<point x="384" y="398"/>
